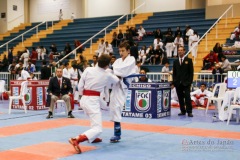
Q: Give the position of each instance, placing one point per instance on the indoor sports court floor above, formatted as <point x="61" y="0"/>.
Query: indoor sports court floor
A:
<point x="32" y="137"/>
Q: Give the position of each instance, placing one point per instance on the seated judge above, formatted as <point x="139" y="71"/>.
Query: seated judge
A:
<point x="60" y="88"/>
<point x="143" y="79"/>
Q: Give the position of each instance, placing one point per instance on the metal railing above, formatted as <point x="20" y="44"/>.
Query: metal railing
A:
<point x="103" y="30"/>
<point x="136" y="9"/>
<point x="206" y="33"/>
<point x="207" y="78"/>
<point x="22" y="35"/>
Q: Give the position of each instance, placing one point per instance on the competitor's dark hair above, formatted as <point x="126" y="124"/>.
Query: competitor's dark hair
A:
<point x="124" y="44"/>
<point x="104" y="60"/>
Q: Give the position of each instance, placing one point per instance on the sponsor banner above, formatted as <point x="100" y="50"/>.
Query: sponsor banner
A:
<point x="159" y="101"/>
<point x="15" y="92"/>
<point x="39" y="95"/>
<point x="28" y="96"/>
<point x="128" y="101"/>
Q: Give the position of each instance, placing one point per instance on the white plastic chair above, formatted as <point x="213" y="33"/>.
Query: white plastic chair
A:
<point x="234" y="105"/>
<point x="220" y="95"/>
<point x="59" y="105"/>
<point x="21" y="95"/>
<point x="2" y="87"/>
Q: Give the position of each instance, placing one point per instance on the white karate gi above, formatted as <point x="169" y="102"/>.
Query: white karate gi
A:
<point x="189" y="33"/>
<point x="25" y="57"/>
<point x="74" y="82"/>
<point x="233" y="34"/>
<point x="119" y="91"/>
<point x="177" y="43"/>
<point x="24" y="75"/>
<point x="108" y="49"/>
<point x="199" y="92"/>
<point x="174" y="97"/>
<point x="142" y="56"/>
<point x="192" y="43"/>
<point x="101" y="48"/>
<point x="96" y="79"/>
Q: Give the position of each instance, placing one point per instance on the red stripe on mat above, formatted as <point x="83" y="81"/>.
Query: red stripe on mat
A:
<point x="50" y="124"/>
<point x="42" y="151"/>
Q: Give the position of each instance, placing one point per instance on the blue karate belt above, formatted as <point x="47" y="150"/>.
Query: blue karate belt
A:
<point x="131" y="76"/>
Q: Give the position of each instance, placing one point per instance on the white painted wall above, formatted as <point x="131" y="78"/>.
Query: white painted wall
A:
<point x="15" y="18"/>
<point x="100" y="8"/>
<point x="47" y="10"/>
<point x="3" y="21"/>
<point x="160" y="5"/>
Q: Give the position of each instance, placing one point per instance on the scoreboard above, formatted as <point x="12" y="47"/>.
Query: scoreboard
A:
<point x="233" y="79"/>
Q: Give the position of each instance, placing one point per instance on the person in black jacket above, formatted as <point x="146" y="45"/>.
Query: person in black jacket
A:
<point x="218" y="50"/>
<point x="134" y="51"/>
<point x="182" y="80"/>
<point x="45" y="71"/>
<point x="59" y="88"/>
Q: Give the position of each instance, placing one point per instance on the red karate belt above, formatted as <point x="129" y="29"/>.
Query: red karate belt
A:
<point x="90" y="93"/>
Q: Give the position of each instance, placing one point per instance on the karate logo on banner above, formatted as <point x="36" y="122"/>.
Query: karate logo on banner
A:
<point x="142" y="100"/>
<point x="166" y="100"/>
<point x="28" y="96"/>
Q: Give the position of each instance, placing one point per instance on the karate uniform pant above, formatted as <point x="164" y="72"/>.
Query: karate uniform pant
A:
<point x="91" y="107"/>
<point x="197" y="101"/>
<point x="117" y="101"/>
<point x="169" y="49"/>
<point x="75" y="93"/>
<point x="194" y="51"/>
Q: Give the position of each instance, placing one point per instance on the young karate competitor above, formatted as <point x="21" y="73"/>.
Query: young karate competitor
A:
<point x="199" y="97"/>
<point x="122" y="67"/>
<point x="92" y="83"/>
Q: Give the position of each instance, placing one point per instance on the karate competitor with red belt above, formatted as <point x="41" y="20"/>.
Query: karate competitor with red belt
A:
<point x="122" y="67"/>
<point x="92" y="83"/>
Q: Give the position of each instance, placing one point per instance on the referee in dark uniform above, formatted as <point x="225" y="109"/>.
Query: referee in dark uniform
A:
<point x="182" y="79"/>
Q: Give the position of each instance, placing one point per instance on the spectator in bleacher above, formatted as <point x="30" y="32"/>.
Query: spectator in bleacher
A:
<point x="169" y="32"/>
<point x="60" y="16"/>
<point x="95" y="60"/>
<point x="67" y="70"/>
<point x="101" y="47"/>
<point x="200" y="96"/>
<point x="134" y="50"/>
<point x="226" y="66"/>
<point x="120" y="36"/>
<point x="32" y="76"/>
<point x="217" y="72"/>
<point x="77" y="43"/>
<point x="31" y="67"/>
<point x="177" y="43"/>
<point x="141" y="32"/>
<point x="134" y="32"/>
<point x="19" y="64"/>
<point x="108" y="48"/>
<point x="165" y="69"/>
<point x="178" y="32"/>
<point x="45" y="71"/>
<point x="10" y="55"/>
<point x="81" y="63"/>
<point x="193" y="39"/>
<point x="44" y="52"/>
<point x="158" y="34"/>
<point x="25" y="57"/>
<point x="218" y="49"/>
<point x="23" y="75"/>
<point x="158" y="56"/>
<point x="53" y="49"/>
<point x="113" y="59"/>
<point x="236" y="33"/>
<point x="209" y="60"/>
<point x="189" y="32"/>
<point x="39" y="52"/>
<point x="142" y="54"/>
<point x="34" y="55"/>
<point x="4" y="64"/>
<point x="143" y="79"/>
<point x="67" y="49"/>
<point x="138" y="66"/>
<point x="157" y="42"/>
<point x="19" y="54"/>
<point x="129" y="37"/>
<point x="150" y="55"/>
<point x="114" y="42"/>
<point x="169" y="44"/>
